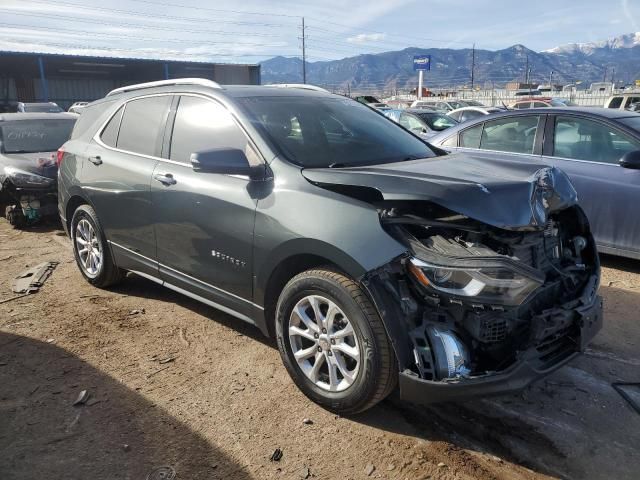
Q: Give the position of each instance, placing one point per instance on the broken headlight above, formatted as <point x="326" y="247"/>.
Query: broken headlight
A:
<point x="21" y="178"/>
<point x="491" y="284"/>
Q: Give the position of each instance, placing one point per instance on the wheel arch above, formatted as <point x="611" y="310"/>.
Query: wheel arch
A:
<point x="289" y="260"/>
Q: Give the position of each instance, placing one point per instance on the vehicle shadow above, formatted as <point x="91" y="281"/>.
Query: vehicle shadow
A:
<point x="135" y="286"/>
<point x="620" y="263"/>
<point x="117" y="433"/>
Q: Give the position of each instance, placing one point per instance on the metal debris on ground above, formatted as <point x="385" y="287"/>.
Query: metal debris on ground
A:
<point x="162" y="473"/>
<point x="166" y="360"/>
<point x="83" y="396"/>
<point x="137" y="311"/>
<point x="307" y="421"/>
<point x="30" y="280"/>
<point x="276" y="456"/>
<point x="630" y="392"/>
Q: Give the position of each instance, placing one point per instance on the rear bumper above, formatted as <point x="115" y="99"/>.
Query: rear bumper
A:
<point x="533" y="364"/>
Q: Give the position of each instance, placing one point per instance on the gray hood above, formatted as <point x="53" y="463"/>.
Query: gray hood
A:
<point x="499" y="191"/>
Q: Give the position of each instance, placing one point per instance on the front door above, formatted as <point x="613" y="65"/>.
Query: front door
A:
<point x="204" y="221"/>
<point x="589" y="152"/>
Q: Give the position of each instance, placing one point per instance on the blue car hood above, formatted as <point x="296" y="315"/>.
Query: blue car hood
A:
<point x="513" y="195"/>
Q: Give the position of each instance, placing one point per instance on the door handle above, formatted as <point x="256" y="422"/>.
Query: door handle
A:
<point x="96" y="160"/>
<point x="165" y="178"/>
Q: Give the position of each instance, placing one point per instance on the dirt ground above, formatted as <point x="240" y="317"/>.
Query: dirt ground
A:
<point x="175" y="383"/>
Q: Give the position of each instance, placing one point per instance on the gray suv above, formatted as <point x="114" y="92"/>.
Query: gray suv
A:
<point x="374" y="260"/>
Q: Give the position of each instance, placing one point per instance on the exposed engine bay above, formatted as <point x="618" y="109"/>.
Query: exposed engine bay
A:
<point x="476" y="298"/>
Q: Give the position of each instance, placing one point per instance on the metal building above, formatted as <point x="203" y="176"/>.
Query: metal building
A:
<point x="64" y="79"/>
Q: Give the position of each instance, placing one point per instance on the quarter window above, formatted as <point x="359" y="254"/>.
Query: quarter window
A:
<point x="583" y="139"/>
<point x="142" y="125"/>
<point x="631" y="100"/>
<point x="515" y="134"/>
<point x="202" y="124"/>
<point x="110" y="133"/>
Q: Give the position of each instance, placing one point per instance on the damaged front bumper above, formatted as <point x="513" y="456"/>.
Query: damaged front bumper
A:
<point x="533" y="363"/>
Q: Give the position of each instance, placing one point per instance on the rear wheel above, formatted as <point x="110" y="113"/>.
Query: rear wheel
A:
<point x="90" y="249"/>
<point x="333" y="343"/>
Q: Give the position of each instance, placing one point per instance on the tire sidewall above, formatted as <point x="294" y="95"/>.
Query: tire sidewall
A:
<point x="364" y="384"/>
<point x="85" y="212"/>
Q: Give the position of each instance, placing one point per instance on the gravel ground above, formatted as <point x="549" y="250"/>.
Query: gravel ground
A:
<point x="175" y="383"/>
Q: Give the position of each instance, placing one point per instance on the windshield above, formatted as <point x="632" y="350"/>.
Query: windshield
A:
<point x="633" y="122"/>
<point x="473" y="103"/>
<point x="41" y="108"/>
<point x="437" y="121"/>
<point x="336" y="132"/>
<point x="30" y="136"/>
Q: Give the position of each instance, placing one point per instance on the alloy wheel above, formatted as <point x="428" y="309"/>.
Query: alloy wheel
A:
<point x="89" y="248"/>
<point x="324" y="343"/>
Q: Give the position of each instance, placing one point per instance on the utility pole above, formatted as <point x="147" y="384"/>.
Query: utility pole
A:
<point x="526" y="71"/>
<point x="613" y="77"/>
<point x="604" y="77"/>
<point x="304" y="54"/>
<point x="550" y="82"/>
<point x="473" y="64"/>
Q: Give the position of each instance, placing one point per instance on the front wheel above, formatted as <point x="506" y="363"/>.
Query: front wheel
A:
<point x="333" y="342"/>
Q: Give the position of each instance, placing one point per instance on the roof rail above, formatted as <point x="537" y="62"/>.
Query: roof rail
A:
<point x="162" y="83"/>
<point x="303" y="86"/>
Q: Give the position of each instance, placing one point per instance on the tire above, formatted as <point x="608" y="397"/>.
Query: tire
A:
<point x="376" y="370"/>
<point x="15" y="217"/>
<point x="86" y="227"/>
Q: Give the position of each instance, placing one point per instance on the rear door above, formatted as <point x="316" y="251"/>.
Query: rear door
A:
<point x="117" y="176"/>
<point x="589" y="151"/>
<point x="204" y="221"/>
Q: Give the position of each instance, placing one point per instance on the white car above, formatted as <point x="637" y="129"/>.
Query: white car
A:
<point x="469" y="113"/>
<point x="445" y="106"/>
<point x="622" y="101"/>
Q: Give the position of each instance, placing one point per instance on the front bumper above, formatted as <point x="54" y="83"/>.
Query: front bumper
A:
<point x="534" y="363"/>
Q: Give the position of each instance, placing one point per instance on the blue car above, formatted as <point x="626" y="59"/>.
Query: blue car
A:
<point x="598" y="148"/>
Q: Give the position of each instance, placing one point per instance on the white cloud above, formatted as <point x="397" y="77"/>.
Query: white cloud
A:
<point x="367" y="38"/>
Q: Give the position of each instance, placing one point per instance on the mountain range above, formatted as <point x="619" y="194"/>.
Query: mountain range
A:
<point x="451" y="68"/>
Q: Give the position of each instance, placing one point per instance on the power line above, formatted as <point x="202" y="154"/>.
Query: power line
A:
<point x="154" y="15"/>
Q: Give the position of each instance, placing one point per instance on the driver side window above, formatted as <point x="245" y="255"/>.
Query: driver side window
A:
<point x="583" y="139"/>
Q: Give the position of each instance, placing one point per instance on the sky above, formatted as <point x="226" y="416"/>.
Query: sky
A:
<point x="253" y="30"/>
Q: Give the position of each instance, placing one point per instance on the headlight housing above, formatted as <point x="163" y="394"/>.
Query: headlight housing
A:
<point x="21" y="178"/>
<point x="488" y="284"/>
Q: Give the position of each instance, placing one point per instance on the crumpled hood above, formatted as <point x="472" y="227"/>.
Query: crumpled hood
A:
<point x="496" y="190"/>
<point x="40" y="163"/>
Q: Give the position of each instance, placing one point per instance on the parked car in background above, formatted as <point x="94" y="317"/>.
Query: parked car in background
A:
<point x="28" y="169"/>
<point x="424" y="123"/>
<point x="622" y="101"/>
<point x="373" y="259"/>
<point x="598" y="148"/>
<point x="77" y="107"/>
<point x="469" y="113"/>
<point x="542" y="103"/>
<point x="445" y="105"/>
<point x="40" y="107"/>
<point x="372" y="102"/>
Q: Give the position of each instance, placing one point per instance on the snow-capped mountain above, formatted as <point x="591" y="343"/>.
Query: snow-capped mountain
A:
<point x="629" y="40"/>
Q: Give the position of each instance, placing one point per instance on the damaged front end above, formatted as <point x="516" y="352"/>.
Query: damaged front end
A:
<point x="28" y="195"/>
<point x="475" y="309"/>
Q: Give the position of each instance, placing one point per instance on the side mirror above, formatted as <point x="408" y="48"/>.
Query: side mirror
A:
<point x="631" y="160"/>
<point x="227" y="161"/>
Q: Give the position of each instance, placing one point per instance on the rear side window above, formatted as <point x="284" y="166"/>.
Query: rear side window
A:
<point x="516" y="135"/>
<point x="110" y="133"/>
<point x="142" y="125"/>
<point x="470" y="138"/>
<point x="631" y="100"/>
<point x="202" y="124"/>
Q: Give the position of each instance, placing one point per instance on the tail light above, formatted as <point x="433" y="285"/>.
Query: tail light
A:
<point x="59" y="156"/>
